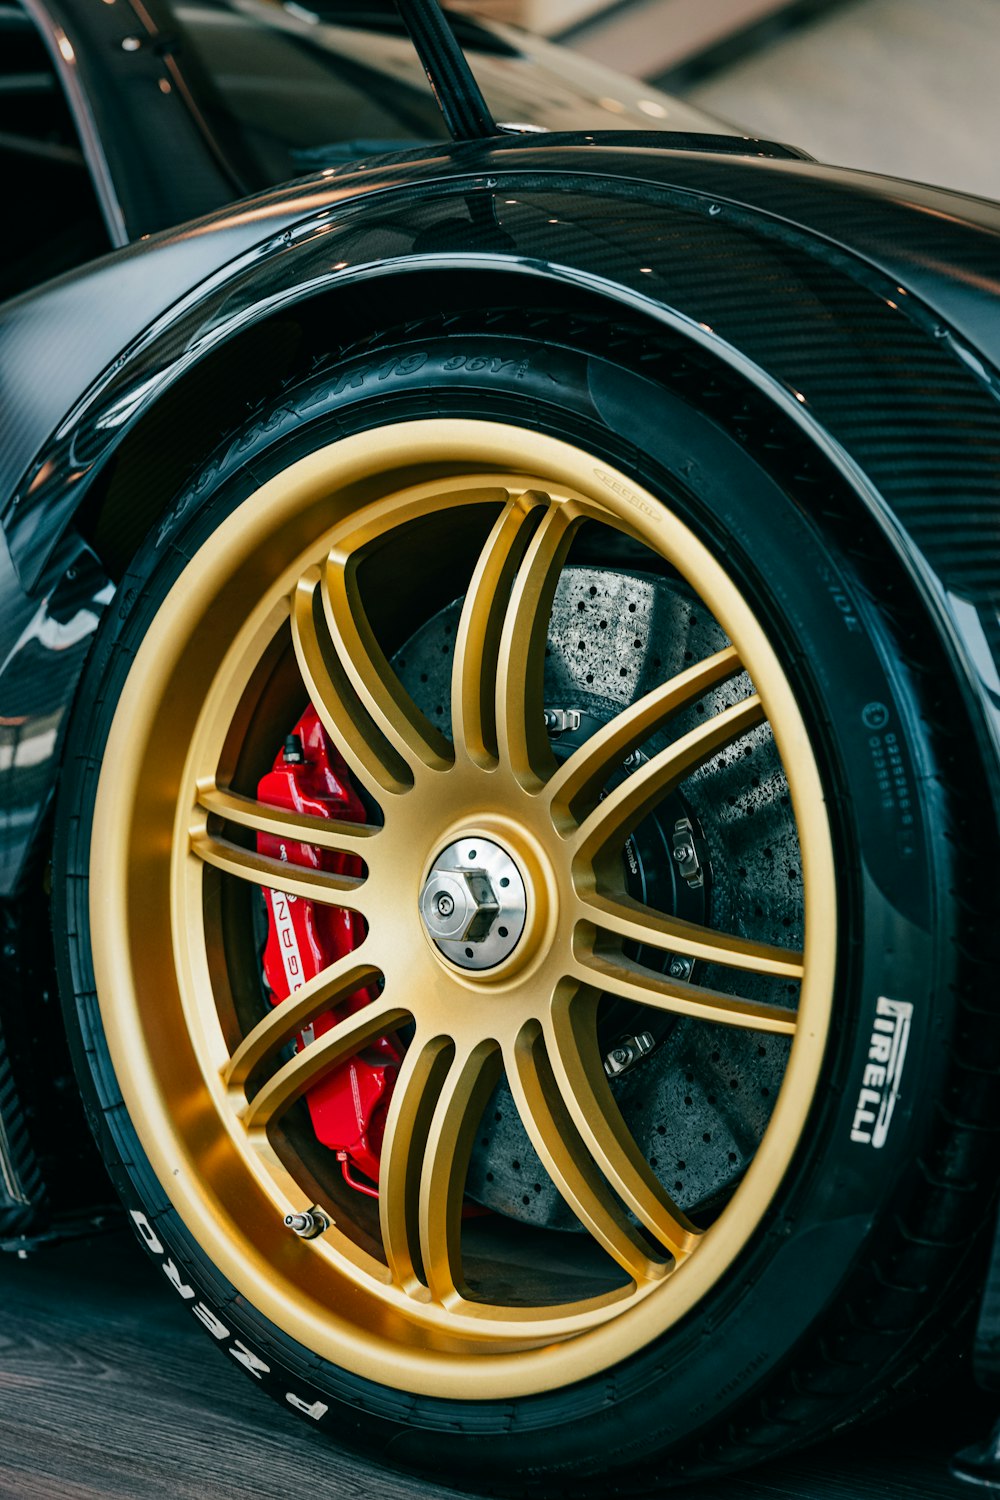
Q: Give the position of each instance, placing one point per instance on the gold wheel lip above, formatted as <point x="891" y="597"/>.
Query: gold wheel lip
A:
<point x="424" y="1370"/>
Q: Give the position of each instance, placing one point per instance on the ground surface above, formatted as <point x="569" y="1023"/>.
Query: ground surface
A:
<point x="109" y="1390"/>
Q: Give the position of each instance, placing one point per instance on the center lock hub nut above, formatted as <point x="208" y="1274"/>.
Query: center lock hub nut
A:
<point x="473" y="903"/>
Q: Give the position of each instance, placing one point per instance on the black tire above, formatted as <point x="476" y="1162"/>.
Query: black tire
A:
<point x="865" y="1259"/>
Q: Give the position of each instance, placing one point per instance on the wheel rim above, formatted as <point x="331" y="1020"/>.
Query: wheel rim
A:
<point x="209" y="1094"/>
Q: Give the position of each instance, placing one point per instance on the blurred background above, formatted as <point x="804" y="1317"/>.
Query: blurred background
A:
<point x="906" y="87"/>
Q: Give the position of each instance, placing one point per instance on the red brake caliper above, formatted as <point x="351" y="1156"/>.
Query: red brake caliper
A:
<point x="348" y="1106"/>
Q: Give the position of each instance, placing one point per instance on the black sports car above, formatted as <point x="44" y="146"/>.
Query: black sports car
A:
<point x="499" y="721"/>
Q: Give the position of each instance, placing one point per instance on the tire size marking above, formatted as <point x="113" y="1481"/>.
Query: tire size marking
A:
<point x="355" y="379"/>
<point x="361" y="377"/>
<point x="518" y="368"/>
<point x="883" y="1072"/>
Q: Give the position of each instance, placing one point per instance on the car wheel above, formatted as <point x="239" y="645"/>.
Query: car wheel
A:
<point x="508" y="896"/>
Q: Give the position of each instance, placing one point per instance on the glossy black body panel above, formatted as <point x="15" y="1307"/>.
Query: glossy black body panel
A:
<point x="174" y="104"/>
<point x="45" y="643"/>
<point x="941" y="251"/>
<point x="125" y="121"/>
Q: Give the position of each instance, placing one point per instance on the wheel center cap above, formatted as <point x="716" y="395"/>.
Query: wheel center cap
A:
<point x="473" y="903"/>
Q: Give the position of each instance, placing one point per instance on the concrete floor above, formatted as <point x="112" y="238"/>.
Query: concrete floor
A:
<point x="906" y="87"/>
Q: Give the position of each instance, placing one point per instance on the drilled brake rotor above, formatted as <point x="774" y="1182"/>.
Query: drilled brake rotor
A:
<point x="698" y="1103"/>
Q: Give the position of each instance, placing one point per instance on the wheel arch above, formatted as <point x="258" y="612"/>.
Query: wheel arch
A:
<point x="250" y="365"/>
<point x="835" y="323"/>
<point x="249" y="368"/>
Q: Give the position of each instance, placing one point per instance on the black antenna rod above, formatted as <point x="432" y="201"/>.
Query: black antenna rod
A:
<point x="459" y="97"/>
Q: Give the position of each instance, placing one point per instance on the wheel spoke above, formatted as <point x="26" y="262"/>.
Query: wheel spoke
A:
<point x="567" y="1159"/>
<point x="477" y="640"/>
<point x="414" y="1097"/>
<point x="628" y="804"/>
<point x="578" y="782"/>
<point x="286" y="1020"/>
<point x="618" y="975"/>
<point x="635" y="923"/>
<point x="307" y="1067"/>
<point x="284" y="823"/>
<point x="470" y="1082"/>
<point x="522" y="743"/>
<point x="379" y="691"/>
<point x="371" y="757"/>
<point x="578" y="1069"/>
<point x="429" y="1134"/>
<point x="279" y="874"/>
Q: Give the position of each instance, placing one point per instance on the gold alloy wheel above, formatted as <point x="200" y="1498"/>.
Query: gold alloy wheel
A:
<point x="269" y="612"/>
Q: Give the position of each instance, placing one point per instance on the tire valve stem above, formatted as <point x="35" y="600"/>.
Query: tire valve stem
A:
<point x="628" y="1051"/>
<point x="307" y="1225"/>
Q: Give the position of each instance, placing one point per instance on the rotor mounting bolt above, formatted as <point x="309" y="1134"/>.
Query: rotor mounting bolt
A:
<point x="628" y="1051"/>
<point x="680" y="968"/>
<point x="559" y="720"/>
<point x="688" y="851"/>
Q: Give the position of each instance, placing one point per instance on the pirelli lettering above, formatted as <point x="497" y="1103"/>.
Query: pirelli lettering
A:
<point x="883" y="1072"/>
